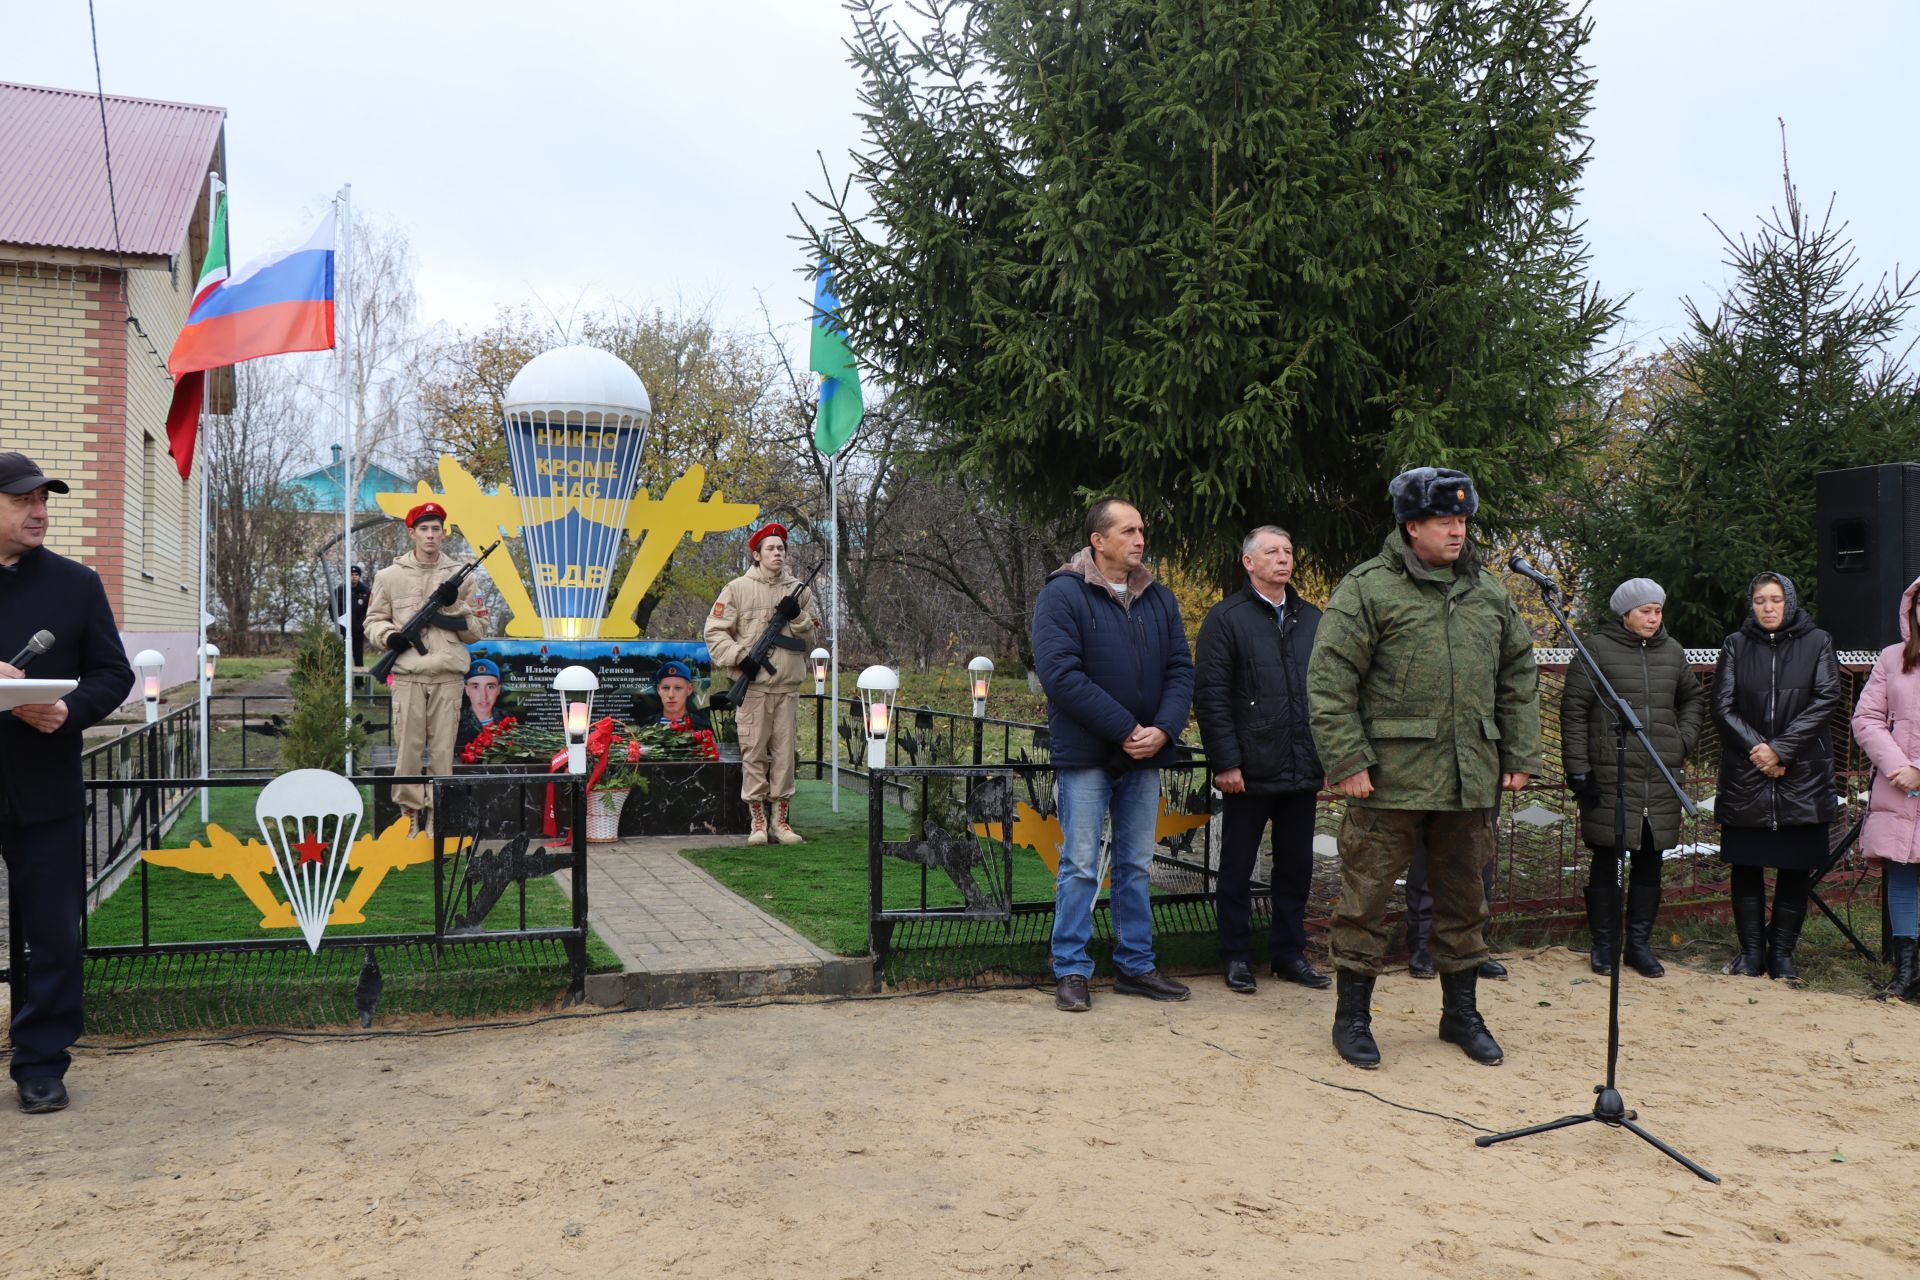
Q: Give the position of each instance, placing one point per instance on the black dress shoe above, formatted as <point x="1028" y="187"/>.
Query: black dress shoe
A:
<point x="43" y="1093"/>
<point x="1240" y="977"/>
<point x="1296" y="969"/>
<point x="1152" y="984"/>
<point x="1070" y="996"/>
<point x="1420" y="963"/>
<point x="1494" y="970"/>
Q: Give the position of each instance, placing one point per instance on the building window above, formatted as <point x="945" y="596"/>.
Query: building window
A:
<point x="144" y="530"/>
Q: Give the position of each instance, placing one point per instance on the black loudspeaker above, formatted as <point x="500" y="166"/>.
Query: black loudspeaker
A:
<point x="1869" y="546"/>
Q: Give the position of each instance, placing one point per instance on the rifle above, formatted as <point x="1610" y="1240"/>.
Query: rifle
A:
<point x="775" y="633"/>
<point x="417" y="623"/>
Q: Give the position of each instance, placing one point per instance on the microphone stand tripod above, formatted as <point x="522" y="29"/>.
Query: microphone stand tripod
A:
<point x="1609" y="1108"/>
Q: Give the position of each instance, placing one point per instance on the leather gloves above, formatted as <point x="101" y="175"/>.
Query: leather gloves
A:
<point x="397" y="642"/>
<point x="788" y="608"/>
<point x="445" y="594"/>
<point x="1585" y="789"/>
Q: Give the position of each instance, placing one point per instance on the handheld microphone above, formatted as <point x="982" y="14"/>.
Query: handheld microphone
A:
<point x="1521" y="566"/>
<point x="37" y="644"/>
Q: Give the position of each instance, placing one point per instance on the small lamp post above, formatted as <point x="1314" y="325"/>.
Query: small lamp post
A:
<point x="878" y="687"/>
<point x="575" y="685"/>
<point x="981" y="669"/>
<point x="209" y="655"/>
<point x="819" y="658"/>
<point x="150" y="661"/>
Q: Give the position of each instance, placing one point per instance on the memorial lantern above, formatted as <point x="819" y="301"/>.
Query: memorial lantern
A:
<point x="575" y="685"/>
<point x="878" y="687"/>
<point x="819" y="658"/>
<point x="209" y="655"/>
<point x="980" y="670"/>
<point x="150" y="661"/>
<point x="576" y="420"/>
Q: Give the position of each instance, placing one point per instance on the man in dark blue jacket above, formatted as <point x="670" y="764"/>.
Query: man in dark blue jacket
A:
<point x="1250" y="697"/>
<point x="1112" y="655"/>
<point x="42" y="801"/>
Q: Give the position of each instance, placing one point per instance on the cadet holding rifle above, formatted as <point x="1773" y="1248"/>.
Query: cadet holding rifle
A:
<point x="766" y="717"/>
<point x="429" y="661"/>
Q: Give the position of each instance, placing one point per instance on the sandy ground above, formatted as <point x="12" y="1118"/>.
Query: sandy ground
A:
<point x="987" y="1135"/>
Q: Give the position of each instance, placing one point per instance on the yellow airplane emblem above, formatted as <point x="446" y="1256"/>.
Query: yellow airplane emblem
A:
<point x="249" y="863"/>
<point x="1044" y="836"/>
<point x="657" y="524"/>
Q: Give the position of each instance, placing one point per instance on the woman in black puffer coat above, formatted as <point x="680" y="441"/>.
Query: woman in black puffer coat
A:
<point x="1648" y="668"/>
<point x="1775" y="694"/>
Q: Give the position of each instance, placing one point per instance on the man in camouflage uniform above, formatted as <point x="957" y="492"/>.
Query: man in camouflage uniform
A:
<point x="766" y="718"/>
<point x="1425" y="704"/>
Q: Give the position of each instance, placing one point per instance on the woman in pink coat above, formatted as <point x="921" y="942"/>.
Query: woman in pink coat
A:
<point x="1887" y="725"/>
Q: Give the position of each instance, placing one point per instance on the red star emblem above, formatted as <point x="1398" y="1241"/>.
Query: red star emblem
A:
<point x="311" y="850"/>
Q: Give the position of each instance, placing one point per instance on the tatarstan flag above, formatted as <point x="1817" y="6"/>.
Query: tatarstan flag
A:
<point x="840" y="406"/>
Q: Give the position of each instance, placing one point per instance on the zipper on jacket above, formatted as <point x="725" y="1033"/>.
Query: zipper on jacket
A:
<point x="1773" y="683"/>
<point x="1646" y="685"/>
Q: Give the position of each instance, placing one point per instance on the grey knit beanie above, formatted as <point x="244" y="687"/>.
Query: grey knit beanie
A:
<point x="1633" y="593"/>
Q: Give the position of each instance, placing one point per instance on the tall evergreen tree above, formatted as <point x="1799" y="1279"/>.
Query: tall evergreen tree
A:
<point x="1241" y="260"/>
<point x="1795" y="373"/>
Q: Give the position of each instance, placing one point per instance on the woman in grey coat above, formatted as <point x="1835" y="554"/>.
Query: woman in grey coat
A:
<point x="1648" y="668"/>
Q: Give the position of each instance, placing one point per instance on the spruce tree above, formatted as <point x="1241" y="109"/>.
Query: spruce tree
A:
<point x="1239" y="260"/>
<point x="316" y="736"/>
<point x="1796" y="372"/>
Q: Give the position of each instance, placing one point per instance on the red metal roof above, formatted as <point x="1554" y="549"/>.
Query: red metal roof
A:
<point x="53" y="172"/>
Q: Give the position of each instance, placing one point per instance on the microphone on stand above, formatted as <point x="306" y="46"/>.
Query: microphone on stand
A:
<point x="1522" y="566"/>
<point x="37" y="644"/>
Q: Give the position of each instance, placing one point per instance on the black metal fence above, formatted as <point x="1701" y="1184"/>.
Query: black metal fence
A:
<point x="133" y="789"/>
<point x="473" y="945"/>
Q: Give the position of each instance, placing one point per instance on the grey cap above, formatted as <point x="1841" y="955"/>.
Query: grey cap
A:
<point x="1633" y="593"/>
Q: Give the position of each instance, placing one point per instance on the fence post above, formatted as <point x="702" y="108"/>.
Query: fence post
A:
<point x="578" y="948"/>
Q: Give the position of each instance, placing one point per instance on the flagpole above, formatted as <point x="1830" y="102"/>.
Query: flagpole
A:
<point x="214" y="188"/>
<point x="833" y="611"/>
<point x="343" y="332"/>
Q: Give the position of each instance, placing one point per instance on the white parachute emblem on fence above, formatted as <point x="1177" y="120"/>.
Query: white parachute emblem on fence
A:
<point x="310" y="818"/>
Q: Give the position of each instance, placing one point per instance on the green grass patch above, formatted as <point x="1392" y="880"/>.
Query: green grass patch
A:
<point x="240" y="669"/>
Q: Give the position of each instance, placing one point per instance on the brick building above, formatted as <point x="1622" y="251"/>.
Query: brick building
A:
<point x="93" y="289"/>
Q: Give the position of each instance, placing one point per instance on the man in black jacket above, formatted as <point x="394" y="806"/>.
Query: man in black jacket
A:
<point x="42" y="802"/>
<point x="1250" y="697"/>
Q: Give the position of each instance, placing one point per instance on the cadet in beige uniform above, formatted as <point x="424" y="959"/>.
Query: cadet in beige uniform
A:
<point x="426" y="687"/>
<point x="767" y="717"/>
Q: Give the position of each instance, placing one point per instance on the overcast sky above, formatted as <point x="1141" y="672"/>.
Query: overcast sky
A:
<point x="567" y="154"/>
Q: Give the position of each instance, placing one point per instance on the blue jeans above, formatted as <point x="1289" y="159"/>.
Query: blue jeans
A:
<point x="1086" y="798"/>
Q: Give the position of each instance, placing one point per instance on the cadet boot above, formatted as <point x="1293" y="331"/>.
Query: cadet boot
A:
<point x="1903" y="966"/>
<point x="1460" y="1020"/>
<point x="1353" y="1019"/>
<point x="1643" y="904"/>
<point x="1603" y="922"/>
<point x="1420" y="963"/>
<point x="759" y="833"/>
<point x="1787" y="919"/>
<point x="782" y="829"/>
<point x="1750" y="926"/>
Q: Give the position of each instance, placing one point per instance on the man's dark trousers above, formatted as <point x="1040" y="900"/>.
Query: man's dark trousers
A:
<point x="45" y="874"/>
<point x="1243" y="820"/>
<point x="1420" y="898"/>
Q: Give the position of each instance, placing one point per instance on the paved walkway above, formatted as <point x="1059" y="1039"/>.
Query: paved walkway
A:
<point x="684" y="938"/>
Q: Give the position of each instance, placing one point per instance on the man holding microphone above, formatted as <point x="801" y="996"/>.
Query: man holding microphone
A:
<point x="42" y="801"/>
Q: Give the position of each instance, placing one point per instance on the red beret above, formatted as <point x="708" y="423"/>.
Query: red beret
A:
<point x="426" y="511"/>
<point x="766" y="531"/>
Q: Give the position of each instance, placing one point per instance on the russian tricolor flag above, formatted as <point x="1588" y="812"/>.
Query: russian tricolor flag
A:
<point x="279" y="303"/>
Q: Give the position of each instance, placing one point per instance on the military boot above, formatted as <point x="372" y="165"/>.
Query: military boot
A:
<point x="1643" y="904"/>
<point x="1603" y="922"/>
<point x="1750" y="926"/>
<point x="782" y="829"/>
<point x="1903" y="966"/>
<point x="1787" y="919"/>
<point x="759" y="833"/>
<point x="1353" y="1019"/>
<point x="1460" y="1020"/>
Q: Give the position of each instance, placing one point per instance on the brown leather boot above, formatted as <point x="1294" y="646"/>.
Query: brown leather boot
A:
<point x="759" y="833"/>
<point x="782" y="829"/>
